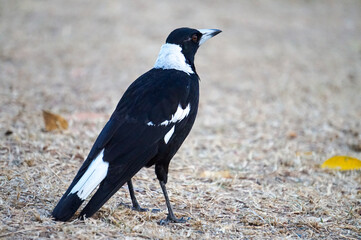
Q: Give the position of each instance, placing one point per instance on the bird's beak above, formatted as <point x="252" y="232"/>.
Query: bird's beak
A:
<point x="207" y="34"/>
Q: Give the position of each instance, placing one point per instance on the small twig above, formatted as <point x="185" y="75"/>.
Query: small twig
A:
<point x="260" y="217"/>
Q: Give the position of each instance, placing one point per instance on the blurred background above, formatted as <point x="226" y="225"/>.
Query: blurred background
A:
<point x="279" y="60"/>
<point x="280" y="93"/>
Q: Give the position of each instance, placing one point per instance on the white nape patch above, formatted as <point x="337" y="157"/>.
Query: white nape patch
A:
<point x="95" y="173"/>
<point x="179" y="115"/>
<point x="169" y="135"/>
<point x="171" y="57"/>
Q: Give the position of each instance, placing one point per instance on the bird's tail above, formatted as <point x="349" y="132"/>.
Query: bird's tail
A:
<point x="116" y="178"/>
<point x="102" y="195"/>
<point x="87" y="179"/>
<point x="110" y="180"/>
<point x="66" y="207"/>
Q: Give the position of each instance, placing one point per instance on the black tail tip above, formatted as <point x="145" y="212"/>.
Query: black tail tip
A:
<point x="61" y="217"/>
<point x="66" y="208"/>
<point x="62" y="214"/>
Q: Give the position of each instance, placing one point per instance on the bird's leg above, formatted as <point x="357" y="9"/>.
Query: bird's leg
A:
<point x="171" y="217"/>
<point x="135" y="203"/>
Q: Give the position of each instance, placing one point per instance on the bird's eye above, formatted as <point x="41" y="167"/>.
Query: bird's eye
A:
<point x="195" y="38"/>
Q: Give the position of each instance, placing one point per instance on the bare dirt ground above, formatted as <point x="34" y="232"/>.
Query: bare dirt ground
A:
<point x="280" y="93"/>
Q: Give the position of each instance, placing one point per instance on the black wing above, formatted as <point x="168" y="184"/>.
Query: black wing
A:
<point x="132" y="135"/>
<point x="146" y="104"/>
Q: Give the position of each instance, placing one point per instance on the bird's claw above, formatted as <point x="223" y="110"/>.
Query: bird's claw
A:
<point x="168" y="220"/>
<point x="140" y="209"/>
<point x="155" y="210"/>
<point x="135" y="208"/>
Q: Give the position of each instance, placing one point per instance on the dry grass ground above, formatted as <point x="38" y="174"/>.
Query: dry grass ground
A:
<point x="280" y="93"/>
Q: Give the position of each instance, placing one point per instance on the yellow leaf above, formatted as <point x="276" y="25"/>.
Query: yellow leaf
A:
<point x="54" y="121"/>
<point x="218" y="174"/>
<point x="342" y="163"/>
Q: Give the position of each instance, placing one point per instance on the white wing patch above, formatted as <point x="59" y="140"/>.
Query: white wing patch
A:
<point x="169" y="135"/>
<point x="178" y="116"/>
<point x="95" y="173"/>
<point x="171" y="57"/>
<point x="150" y="123"/>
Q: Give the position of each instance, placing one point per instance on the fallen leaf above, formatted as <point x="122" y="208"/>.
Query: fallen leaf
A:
<point x="54" y="121"/>
<point x="291" y="134"/>
<point x="217" y="174"/>
<point x="342" y="163"/>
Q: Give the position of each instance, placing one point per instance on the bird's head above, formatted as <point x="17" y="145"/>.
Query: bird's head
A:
<point x="180" y="48"/>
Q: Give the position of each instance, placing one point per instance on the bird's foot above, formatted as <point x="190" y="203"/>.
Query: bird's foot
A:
<point x="173" y="219"/>
<point x="155" y="210"/>
<point x="135" y="208"/>
<point x="138" y="208"/>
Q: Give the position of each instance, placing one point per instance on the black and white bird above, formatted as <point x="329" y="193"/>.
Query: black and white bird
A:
<point x="149" y="124"/>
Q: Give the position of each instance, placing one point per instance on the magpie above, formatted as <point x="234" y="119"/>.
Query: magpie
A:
<point x="148" y="126"/>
